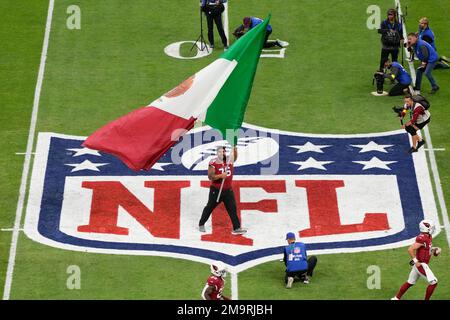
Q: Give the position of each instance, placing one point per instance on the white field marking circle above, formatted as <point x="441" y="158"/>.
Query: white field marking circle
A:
<point x="173" y="50"/>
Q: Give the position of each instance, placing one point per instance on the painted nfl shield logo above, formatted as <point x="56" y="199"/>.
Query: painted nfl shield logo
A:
<point x="337" y="193"/>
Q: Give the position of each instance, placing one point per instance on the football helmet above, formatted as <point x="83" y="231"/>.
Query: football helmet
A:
<point x="218" y="269"/>
<point x="426" y="226"/>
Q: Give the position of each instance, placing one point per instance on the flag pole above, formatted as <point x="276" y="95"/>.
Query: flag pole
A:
<point x="223" y="180"/>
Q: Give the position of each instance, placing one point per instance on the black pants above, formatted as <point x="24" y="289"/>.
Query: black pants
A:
<point x="211" y="17"/>
<point x="227" y="197"/>
<point x="412" y="131"/>
<point x="385" y="56"/>
<point x="268" y="44"/>
<point x="397" y="89"/>
<point x="312" y="261"/>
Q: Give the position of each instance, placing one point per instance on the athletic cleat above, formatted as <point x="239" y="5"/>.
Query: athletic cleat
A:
<point x="420" y="143"/>
<point x="239" y="231"/>
<point x="201" y="228"/>
<point x="289" y="283"/>
<point x="444" y="58"/>
<point x="306" y="280"/>
<point x="395" y="298"/>
<point x="412" y="150"/>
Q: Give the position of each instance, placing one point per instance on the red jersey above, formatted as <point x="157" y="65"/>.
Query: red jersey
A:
<point x="423" y="254"/>
<point x="218" y="284"/>
<point x="219" y="168"/>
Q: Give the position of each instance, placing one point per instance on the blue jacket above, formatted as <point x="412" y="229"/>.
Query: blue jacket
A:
<point x="401" y="75"/>
<point x="428" y="35"/>
<point x="425" y="52"/>
<point x="295" y="257"/>
<point x="256" y="21"/>
<point x="204" y="2"/>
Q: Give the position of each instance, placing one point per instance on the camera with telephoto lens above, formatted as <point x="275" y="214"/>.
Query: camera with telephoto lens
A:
<point x="399" y="110"/>
<point x="379" y="78"/>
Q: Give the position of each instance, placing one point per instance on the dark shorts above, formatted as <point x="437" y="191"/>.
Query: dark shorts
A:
<point x="412" y="131"/>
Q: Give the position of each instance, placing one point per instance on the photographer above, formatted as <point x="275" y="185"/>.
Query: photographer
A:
<point x="399" y="74"/>
<point x="213" y="10"/>
<point x="251" y="22"/>
<point x="429" y="58"/>
<point x="426" y="34"/>
<point x="420" y="117"/>
<point x="391" y="37"/>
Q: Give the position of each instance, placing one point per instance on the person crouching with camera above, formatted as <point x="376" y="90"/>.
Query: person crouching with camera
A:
<point x="420" y="117"/>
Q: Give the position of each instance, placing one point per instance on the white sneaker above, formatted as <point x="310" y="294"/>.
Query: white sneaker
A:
<point x="201" y="228"/>
<point x="239" y="231"/>
<point x="289" y="282"/>
<point x="416" y="92"/>
<point x="284" y="44"/>
<point x="395" y="298"/>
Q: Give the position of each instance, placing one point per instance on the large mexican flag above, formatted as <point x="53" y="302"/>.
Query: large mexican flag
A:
<point x="217" y="95"/>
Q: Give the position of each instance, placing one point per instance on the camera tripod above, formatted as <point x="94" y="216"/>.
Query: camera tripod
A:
<point x="400" y="19"/>
<point x="200" y="38"/>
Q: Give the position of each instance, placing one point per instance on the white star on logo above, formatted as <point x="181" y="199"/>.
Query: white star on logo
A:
<point x="309" y="147"/>
<point x="375" y="163"/>
<point x="85" y="165"/>
<point x="83" y="151"/>
<point x="159" y="166"/>
<point x="372" y="146"/>
<point x="311" y="163"/>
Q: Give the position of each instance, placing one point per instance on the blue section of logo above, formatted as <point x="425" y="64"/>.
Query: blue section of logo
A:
<point x="341" y="154"/>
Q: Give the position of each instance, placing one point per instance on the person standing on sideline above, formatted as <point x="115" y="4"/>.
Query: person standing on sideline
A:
<point x="420" y="252"/>
<point x="426" y="34"/>
<point x="297" y="262"/>
<point x="429" y="57"/>
<point x="221" y="169"/>
<point x="391" y="37"/>
<point x="213" y="10"/>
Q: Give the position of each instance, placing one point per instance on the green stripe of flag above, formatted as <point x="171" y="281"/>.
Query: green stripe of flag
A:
<point x="228" y="108"/>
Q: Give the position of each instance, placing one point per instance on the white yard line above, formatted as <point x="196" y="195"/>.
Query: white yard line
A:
<point x="27" y="161"/>
<point x="434" y="149"/>
<point x="433" y="163"/>
<point x="225" y="21"/>
<point x="234" y="286"/>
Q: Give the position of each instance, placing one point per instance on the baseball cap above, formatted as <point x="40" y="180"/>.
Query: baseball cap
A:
<point x="290" y="235"/>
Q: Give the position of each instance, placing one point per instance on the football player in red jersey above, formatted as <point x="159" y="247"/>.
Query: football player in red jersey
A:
<point x="213" y="289"/>
<point x="222" y="168"/>
<point x="420" y="253"/>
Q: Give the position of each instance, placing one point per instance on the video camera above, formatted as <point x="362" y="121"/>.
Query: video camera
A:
<point x="379" y="78"/>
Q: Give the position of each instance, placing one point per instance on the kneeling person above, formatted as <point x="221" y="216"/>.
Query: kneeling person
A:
<point x="397" y="73"/>
<point x="298" y="265"/>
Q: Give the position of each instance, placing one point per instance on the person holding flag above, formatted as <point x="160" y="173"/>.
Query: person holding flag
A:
<point x="220" y="172"/>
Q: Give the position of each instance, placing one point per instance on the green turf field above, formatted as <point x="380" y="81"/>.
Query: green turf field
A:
<point x="115" y="63"/>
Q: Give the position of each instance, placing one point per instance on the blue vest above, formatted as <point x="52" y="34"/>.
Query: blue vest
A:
<point x="256" y="21"/>
<point x="296" y="258"/>
<point x="403" y="76"/>
<point x="432" y="54"/>
<point x="427" y="32"/>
